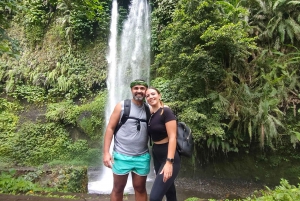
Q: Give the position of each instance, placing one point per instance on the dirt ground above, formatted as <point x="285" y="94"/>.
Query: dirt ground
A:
<point x="93" y="197"/>
<point x="186" y="188"/>
<point x="5" y="197"/>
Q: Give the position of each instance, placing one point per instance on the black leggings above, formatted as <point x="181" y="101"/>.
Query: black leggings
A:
<point x="159" y="188"/>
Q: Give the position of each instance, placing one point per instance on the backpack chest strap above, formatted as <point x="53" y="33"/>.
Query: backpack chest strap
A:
<point x="142" y="120"/>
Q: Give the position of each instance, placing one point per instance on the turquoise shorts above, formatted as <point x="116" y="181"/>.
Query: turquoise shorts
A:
<point x="123" y="164"/>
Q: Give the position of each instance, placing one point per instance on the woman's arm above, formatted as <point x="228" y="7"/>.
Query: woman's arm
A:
<point x="171" y="127"/>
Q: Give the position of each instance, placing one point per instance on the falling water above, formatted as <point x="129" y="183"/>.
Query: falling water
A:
<point x="128" y="59"/>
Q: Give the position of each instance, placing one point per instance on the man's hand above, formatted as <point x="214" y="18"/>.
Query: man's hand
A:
<point x="107" y="160"/>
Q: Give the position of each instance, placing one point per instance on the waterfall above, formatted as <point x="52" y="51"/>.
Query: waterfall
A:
<point x="128" y="59"/>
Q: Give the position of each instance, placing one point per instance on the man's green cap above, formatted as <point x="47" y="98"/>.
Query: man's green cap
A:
<point x="138" y="82"/>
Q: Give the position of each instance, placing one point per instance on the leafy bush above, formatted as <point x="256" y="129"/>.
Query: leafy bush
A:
<point x="36" y="17"/>
<point x="65" y="112"/>
<point x="73" y="76"/>
<point x="193" y="199"/>
<point x="73" y="180"/>
<point x="37" y="144"/>
<point x="283" y="192"/>
<point x="61" y="179"/>
<point x="88" y="117"/>
<point x="91" y="119"/>
<point x="8" y="125"/>
<point x="12" y="185"/>
<point x="32" y="94"/>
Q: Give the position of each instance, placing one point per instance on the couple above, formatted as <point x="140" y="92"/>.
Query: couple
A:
<point x="130" y="152"/>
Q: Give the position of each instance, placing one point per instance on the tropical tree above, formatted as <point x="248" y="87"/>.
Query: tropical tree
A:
<point x="276" y="22"/>
<point x="233" y="10"/>
<point x="202" y="54"/>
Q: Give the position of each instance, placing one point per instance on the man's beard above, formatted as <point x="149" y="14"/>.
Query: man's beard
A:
<point x="138" y="98"/>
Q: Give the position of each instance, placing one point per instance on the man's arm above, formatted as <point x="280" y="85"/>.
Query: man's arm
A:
<point x="108" y="136"/>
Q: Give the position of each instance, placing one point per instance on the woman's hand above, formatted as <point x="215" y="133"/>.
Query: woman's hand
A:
<point x="167" y="171"/>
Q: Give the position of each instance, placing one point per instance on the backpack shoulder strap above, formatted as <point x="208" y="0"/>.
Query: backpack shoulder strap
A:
<point x="126" y="112"/>
<point x="127" y="105"/>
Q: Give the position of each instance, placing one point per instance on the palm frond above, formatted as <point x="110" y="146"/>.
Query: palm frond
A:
<point x="262" y="5"/>
<point x="294" y="26"/>
<point x="294" y="2"/>
<point x="250" y="129"/>
<point x="272" y="130"/>
<point x="277" y="43"/>
<point x="273" y="23"/>
<point x="290" y="33"/>
<point x="281" y="31"/>
<point x="262" y="135"/>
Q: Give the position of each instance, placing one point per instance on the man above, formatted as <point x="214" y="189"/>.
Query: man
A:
<point x="130" y="151"/>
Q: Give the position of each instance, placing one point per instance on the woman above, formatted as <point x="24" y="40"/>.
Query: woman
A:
<point x="162" y="129"/>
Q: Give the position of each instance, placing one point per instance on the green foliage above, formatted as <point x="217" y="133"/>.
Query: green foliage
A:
<point x="8" y="126"/>
<point x="85" y="158"/>
<point x="229" y="44"/>
<point x="36" y="18"/>
<point x="8" y="45"/>
<point x="160" y="17"/>
<point x="83" y="20"/>
<point x="199" y="53"/>
<point x="32" y="94"/>
<point x="89" y="117"/>
<point x="55" y="69"/>
<point x="283" y="192"/>
<point x="68" y="76"/>
<point x="276" y="22"/>
<point x="10" y="184"/>
<point x="164" y="85"/>
<point x="62" y="179"/>
<point x="232" y="92"/>
<point x="193" y="199"/>
<point x="37" y="144"/>
<point x="65" y="112"/>
<point x="73" y="76"/>
<point x="72" y="179"/>
<point x="211" y="76"/>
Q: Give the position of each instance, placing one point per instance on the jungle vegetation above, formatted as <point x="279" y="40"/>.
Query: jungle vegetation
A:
<point x="228" y="68"/>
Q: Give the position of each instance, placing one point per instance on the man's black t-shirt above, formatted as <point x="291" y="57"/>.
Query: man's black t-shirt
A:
<point x="156" y="125"/>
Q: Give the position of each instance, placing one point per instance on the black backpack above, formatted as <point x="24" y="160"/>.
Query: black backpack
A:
<point x="125" y="116"/>
<point x="185" y="140"/>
